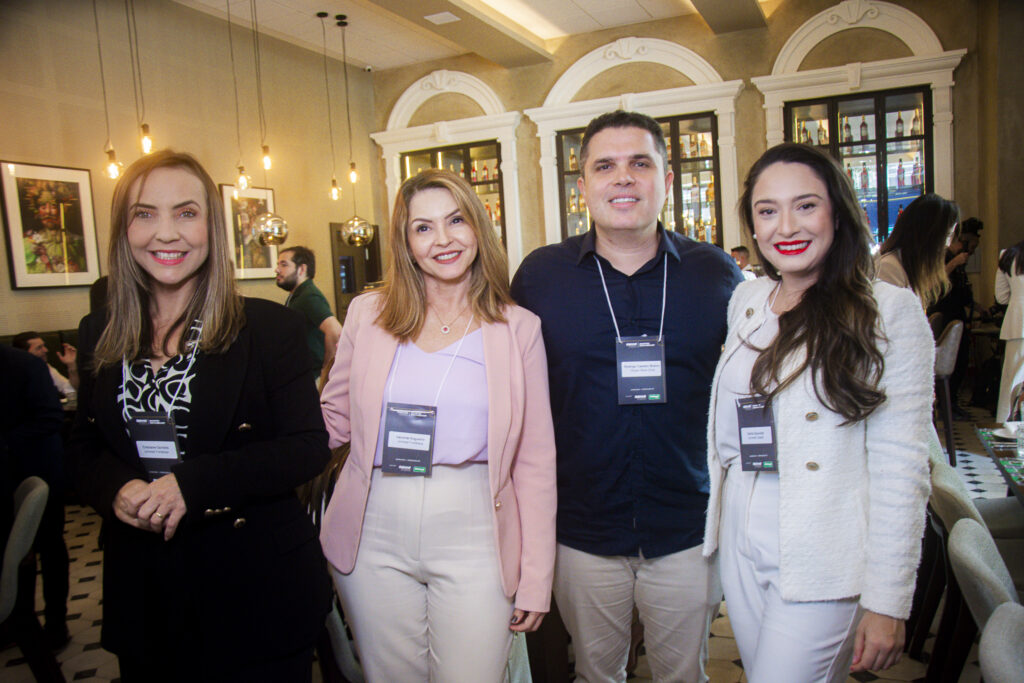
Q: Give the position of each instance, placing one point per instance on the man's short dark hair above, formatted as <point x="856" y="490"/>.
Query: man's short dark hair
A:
<point x="21" y="341"/>
<point x="302" y="256"/>
<point x="624" y="119"/>
<point x="742" y="249"/>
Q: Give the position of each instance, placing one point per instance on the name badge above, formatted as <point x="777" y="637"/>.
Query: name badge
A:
<point x="156" y="440"/>
<point x="757" y="435"/>
<point x="641" y="369"/>
<point x="408" y="439"/>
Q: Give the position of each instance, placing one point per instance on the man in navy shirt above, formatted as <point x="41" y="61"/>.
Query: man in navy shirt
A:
<point x="633" y="319"/>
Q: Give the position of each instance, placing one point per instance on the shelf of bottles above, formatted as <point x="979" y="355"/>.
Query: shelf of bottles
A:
<point x="882" y="141"/>
<point x="691" y="207"/>
<point x="479" y="163"/>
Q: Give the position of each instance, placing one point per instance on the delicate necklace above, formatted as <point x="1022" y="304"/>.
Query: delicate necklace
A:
<point x="447" y="327"/>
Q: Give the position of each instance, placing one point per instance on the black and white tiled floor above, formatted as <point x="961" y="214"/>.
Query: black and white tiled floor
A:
<point x="85" y="660"/>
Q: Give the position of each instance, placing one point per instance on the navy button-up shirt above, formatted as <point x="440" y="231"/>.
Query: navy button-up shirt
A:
<point x="631" y="478"/>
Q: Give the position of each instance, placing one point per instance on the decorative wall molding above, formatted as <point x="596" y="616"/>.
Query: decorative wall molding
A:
<point x="436" y="83"/>
<point x="630" y="51"/>
<point x="884" y="16"/>
<point x="710" y="93"/>
<point x="930" y="66"/>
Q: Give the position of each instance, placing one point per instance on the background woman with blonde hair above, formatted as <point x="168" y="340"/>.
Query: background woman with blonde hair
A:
<point x="441" y="528"/>
<point x="912" y="255"/>
<point x="196" y="421"/>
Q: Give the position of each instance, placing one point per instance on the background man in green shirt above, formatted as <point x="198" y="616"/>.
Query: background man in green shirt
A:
<point x="295" y="269"/>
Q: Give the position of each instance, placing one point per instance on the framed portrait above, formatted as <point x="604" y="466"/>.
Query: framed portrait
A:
<point x="241" y="207"/>
<point x="49" y="225"/>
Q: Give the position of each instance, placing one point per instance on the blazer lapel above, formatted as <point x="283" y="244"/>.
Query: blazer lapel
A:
<point x="217" y="389"/>
<point x="499" y="371"/>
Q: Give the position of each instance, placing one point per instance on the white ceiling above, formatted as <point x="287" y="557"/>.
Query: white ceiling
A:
<point x="385" y="34"/>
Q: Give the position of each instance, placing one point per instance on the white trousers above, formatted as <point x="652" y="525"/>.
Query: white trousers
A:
<point x="779" y="641"/>
<point x="676" y="595"/>
<point x="425" y="600"/>
<point x="1013" y="374"/>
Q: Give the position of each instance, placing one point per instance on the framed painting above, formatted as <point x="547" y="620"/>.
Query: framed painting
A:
<point x="49" y="225"/>
<point x="241" y="207"/>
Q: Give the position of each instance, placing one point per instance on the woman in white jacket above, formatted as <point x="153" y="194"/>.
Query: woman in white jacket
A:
<point x="1010" y="290"/>
<point x="817" y="435"/>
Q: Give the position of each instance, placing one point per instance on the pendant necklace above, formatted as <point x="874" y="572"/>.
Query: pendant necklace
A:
<point x="447" y="327"/>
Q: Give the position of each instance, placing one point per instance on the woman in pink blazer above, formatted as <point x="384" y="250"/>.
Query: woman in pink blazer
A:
<point x="441" y="528"/>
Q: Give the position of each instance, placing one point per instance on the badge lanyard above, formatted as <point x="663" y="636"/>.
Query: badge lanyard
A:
<point x="409" y="428"/>
<point x="640" y="361"/>
<point x="155" y="434"/>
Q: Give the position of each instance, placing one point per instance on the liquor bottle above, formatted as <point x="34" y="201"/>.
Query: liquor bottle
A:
<point x="863" y="128"/>
<point x="574" y="165"/>
<point x="863" y="177"/>
<point x="899" y="124"/>
<point x="484" y="174"/>
<point x="472" y="172"/>
<point x="822" y="132"/>
<point x="462" y="169"/>
<point x="694" y="192"/>
<point x="705" y="149"/>
<point x="916" y="177"/>
<point x="497" y="210"/>
<point x="847" y="132"/>
<point x="804" y="136"/>
<point x="583" y="202"/>
<point x="900" y="177"/>
<point x="451" y="168"/>
<point x="709" y="193"/>
<point x="849" y="172"/>
<point x="487" y="208"/>
<point x="915" y="124"/>
<point x="684" y="146"/>
<point x="694" y="151"/>
<point x="573" y="206"/>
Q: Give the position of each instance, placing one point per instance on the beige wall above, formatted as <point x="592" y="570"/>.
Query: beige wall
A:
<point x="51" y="112"/>
<point x="744" y="54"/>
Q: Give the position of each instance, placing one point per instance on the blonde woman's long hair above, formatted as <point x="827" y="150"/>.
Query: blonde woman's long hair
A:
<point x="216" y="301"/>
<point x="404" y="304"/>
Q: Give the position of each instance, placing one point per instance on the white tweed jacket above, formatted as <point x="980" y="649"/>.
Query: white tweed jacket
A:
<point x="851" y="498"/>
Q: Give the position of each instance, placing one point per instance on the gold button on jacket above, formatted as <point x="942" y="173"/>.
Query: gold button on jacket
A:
<point x="811" y="416"/>
<point x="812" y="466"/>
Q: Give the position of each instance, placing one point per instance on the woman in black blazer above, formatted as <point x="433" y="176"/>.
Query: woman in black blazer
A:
<point x="196" y="422"/>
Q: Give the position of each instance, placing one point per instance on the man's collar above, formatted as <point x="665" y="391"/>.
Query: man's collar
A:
<point x="588" y="245"/>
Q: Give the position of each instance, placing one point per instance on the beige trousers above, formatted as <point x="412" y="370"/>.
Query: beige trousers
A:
<point x="677" y="596"/>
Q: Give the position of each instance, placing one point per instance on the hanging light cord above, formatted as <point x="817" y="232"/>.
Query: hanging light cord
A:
<point x="234" y="80"/>
<point x="133" y="51"/>
<point x="103" y="82"/>
<point x="348" y="108"/>
<point x="259" y="74"/>
<point x="327" y="90"/>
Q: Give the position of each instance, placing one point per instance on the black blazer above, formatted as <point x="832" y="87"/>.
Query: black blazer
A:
<point x="244" y="576"/>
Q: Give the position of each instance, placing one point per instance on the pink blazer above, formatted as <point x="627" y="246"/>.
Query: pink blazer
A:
<point x="520" y="443"/>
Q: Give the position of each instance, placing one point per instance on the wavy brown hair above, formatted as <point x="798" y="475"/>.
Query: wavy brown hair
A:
<point x="404" y="307"/>
<point x="129" y="330"/>
<point x="834" y="327"/>
<point x="920" y="234"/>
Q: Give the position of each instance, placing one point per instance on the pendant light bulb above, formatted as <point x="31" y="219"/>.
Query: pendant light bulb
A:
<point x="335" y="190"/>
<point x="244" y="181"/>
<point x="266" y="157"/>
<point x="147" y="139"/>
<point x="352" y="175"/>
<point x="114" y="167"/>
